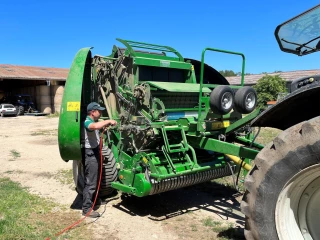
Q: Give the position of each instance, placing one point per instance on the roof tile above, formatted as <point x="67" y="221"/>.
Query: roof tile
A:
<point x="288" y="76"/>
<point x="8" y="71"/>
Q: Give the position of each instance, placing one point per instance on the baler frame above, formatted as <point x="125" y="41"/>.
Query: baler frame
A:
<point x="116" y="82"/>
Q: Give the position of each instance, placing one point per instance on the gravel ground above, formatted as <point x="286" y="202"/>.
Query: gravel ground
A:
<point x="30" y="156"/>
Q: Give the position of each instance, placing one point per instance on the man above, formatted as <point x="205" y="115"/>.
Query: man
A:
<point x="91" y="152"/>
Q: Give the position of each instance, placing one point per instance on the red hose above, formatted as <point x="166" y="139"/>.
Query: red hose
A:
<point x="95" y="198"/>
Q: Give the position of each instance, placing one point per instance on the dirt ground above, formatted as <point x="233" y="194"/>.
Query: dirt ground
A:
<point x="30" y="156"/>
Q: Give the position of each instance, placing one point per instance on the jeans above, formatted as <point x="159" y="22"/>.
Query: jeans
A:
<point x="91" y="163"/>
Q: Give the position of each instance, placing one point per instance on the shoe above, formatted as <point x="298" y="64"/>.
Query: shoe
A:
<point x="100" y="201"/>
<point x="93" y="214"/>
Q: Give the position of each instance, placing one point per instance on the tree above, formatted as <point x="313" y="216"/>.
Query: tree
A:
<point x="227" y="73"/>
<point x="230" y="73"/>
<point x="268" y="87"/>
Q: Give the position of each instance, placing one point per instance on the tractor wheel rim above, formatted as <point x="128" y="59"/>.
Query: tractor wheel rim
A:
<point x="250" y="100"/>
<point x="226" y="100"/>
<point x="298" y="206"/>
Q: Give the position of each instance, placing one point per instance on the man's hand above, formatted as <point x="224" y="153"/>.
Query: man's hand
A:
<point x="111" y="123"/>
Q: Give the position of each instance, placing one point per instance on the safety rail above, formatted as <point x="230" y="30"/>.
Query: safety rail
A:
<point x="201" y="98"/>
<point x="130" y="44"/>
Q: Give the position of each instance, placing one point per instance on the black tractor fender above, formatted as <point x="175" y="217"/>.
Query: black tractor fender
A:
<point x="298" y="106"/>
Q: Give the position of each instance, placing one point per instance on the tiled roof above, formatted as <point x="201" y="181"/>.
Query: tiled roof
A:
<point x="288" y="76"/>
<point x="8" y="71"/>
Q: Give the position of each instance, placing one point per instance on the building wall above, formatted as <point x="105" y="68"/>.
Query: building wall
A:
<point x="47" y="99"/>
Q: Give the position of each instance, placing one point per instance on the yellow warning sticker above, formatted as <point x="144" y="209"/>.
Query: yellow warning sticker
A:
<point x="218" y="125"/>
<point x="73" y="106"/>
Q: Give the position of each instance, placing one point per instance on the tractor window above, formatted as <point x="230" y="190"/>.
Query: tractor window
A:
<point x="160" y="74"/>
<point x="300" y="35"/>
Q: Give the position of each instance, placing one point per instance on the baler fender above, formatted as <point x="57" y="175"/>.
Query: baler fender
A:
<point x="70" y="112"/>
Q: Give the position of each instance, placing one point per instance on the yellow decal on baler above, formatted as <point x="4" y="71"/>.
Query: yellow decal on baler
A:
<point x="145" y="160"/>
<point x="219" y="125"/>
<point x="73" y="106"/>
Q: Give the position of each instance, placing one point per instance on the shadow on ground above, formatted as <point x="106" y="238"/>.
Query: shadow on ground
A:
<point x="209" y="196"/>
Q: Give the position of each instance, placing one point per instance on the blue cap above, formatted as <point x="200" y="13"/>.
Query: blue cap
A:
<point x="94" y="106"/>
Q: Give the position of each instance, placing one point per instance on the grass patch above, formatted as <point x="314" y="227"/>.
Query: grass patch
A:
<point x="46" y="132"/>
<point x="209" y="222"/>
<point x="54" y="115"/>
<point x="266" y="135"/>
<point x="27" y="216"/>
<point x="15" y="171"/>
<point x="15" y="154"/>
<point x="65" y="176"/>
<point x="194" y="228"/>
<point x="224" y="230"/>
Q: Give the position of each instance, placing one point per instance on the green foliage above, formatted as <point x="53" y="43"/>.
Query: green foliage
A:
<point x="227" y="73"/>
<point x="268" y="87"/>
<point x="230" y="73"/>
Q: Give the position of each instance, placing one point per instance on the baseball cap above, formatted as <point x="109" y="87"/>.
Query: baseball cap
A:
<point x="94" y="106"/>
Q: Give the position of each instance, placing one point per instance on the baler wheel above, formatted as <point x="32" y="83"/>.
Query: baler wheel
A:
<point x="221" y="99"/>
<point x="282" y="200"/>
<point x="245" y="100"/>
<point x="109" y="174"/>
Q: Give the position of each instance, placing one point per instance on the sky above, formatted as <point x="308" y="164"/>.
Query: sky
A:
<point x="49" y="33"/>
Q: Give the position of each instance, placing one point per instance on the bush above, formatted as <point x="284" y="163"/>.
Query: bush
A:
<point x="268" y="87"/>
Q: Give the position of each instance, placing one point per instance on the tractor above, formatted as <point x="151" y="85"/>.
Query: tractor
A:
<point x="181" y="123"/>
<point x="283" y="187"/>
<point x="22" y="102"/>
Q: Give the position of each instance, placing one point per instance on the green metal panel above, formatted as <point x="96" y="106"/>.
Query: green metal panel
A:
<point x="243" y="121"/>
<point x="162" y="63"/>
<point x="221" y="147"/>
<point x="70" y="119"/>
<point x="178" y="87"/>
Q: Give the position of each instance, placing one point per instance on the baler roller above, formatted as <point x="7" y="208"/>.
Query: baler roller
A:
<point x="188" y="180"/>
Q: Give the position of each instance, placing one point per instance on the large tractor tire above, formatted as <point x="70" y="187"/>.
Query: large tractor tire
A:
<point x="109" y="174"/>
<point x="282" y="200"/>
<point x="20" y="110"/>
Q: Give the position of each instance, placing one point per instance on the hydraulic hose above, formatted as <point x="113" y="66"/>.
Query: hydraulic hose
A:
<point x="96" y="196"/>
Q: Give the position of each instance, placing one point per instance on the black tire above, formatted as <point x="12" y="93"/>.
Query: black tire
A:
<point x="284" y="171"/>
<point x="78" y="176"/>
<point x="109" y="174"/>
<point x="20" y="110"/>
<point x="221" y="99"/>
<point x="245" y="100"/>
